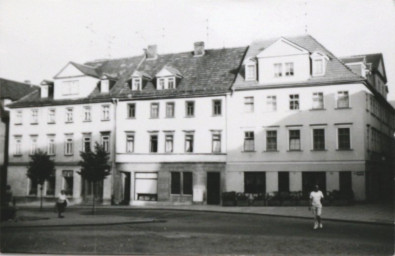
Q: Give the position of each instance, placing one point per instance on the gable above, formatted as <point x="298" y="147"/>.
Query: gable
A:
<point x="282" y="47"/>
<point x="69" y="71"/>
<point x="164" y="72"/>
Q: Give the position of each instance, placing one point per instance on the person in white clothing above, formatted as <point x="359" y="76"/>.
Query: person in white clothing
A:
<point x="61" y="203"/>
<point x="316" y="206"/>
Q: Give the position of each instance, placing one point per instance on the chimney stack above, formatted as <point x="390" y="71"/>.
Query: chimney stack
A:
<point x="151" y="52"/>
<point x="198" y="48"/>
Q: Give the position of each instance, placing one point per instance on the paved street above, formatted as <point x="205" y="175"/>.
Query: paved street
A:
<point x="187" y="232"/>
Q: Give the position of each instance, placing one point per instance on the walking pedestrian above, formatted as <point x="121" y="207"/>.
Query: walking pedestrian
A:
<point x="316" y="206"/>
<point x="61" y="203"/>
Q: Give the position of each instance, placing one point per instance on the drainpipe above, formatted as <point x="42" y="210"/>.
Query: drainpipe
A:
<point x="115" y="175"/>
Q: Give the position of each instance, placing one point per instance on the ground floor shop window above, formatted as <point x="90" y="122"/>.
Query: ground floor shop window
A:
<point x="181" y="183"/>
<point x="255" y="182"/>
<point x="146" y="186"/>
<point x="283" y="182"/>
<point x="87" y="189"/>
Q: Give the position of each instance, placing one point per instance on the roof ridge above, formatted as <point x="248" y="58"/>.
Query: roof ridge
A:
<point x="14" y="81"/>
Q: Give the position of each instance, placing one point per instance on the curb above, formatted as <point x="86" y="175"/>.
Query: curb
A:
<point x="85" y="224"/>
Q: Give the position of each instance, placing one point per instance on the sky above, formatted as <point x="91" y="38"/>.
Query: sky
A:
<point x="38" y="38"/>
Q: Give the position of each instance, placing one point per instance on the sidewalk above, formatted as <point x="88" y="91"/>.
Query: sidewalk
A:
<point x="30" y="216"/>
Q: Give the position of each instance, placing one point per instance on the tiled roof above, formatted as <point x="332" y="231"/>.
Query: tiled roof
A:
<point x="373" y="59"/>
<point x="14" y="90"/>
<point x="336" y="71"/>
<point x="212" y="73"/>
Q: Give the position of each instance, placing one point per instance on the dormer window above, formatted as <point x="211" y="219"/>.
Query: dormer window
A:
<point x="136" y="84"/>
<point x="171" y="81"/>
<point x="319" y="63"/>
<point x="250" y="72"/>
<point x="104" y="86"/>
<point x="289" y="69"/>
<point x="161" y="83"/>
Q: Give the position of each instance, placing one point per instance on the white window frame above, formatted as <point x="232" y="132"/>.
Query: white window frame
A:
<point x="129" y="116"/>
<point x="289" y="69"/>
<point x="271" y="129"/>
<point x="189" y="135"/>
<point x="173" y="104"/>
<point x="136" y="84"/>
<point x="317" y="95"/>
<point x="51" y="145"/>
<point x="338" y="97"/>
<point x="105" y="140"/>
<point x="290" y="129"/>
<point x="133" y="140"/>
<point x="249" y="104"/>
<point x="246" y="138"/>
<point x="278" y="70"/>
<point x="294" y="98"/>
<point x="51" y="116"/>
<point x="152" y="108"/>
<point x="169" y="135"/>
<point x="271" y="103"/>
<point x="18" y="145"/>
<point x="35" y="114"/>
<point x="250" y="72"/>
<point x="105" y="111"/>
<point x="86" y="137"/>
<point x="216" y="134"/>
<point x="18" y="117"/>
<point x="33" y="144"/>
<point x="68" y="141"/>
<point x="171" y="83"/>
<point x="69" y="115"/>
<point x="318" y="127"/>
<point x="70" y="88"/>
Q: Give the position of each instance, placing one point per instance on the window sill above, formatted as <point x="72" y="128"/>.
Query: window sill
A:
<point x="295" y="150"/>
<point x="87" y="121"/>
<point x="154" y="118"/>
<point x="249" y="151"/>
<point x="271" y="151"/>
<point x="34" y="123"/>
<point x="346" y="149"/>
<point x="189" y="116"/>
<point x="69" y="155"/>
<point x="342" y="108"/>
<point x="317" y="109"/>
<point x="18" y="124"/>
<point x="51" y="123"/>
<point x="130" y="118"/>
<point x="105" y="120"/>
<point x="17" y="155"/>
<point x="68" y="122"/>
<point x="318" y="150"/>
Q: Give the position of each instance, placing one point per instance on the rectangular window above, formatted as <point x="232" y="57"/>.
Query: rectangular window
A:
<point x="18" y="145"/>
<point x="70" y="88"/>
<point x="319" y="139"/>
<point x="278" y="70"/>
<point x="343" y="99"/>
<point x="344" y="138"/>
<point x="161" y="83"/>
<point x="169" y="143"/>
<point x="154" y="143"/>
<point x="51" y="115"/>
<point x="129" y="143"/>
<point x="106" y="112"/>
<point x="51" y="145"/>
<point x="170" y="109"/>
<point x="190" y="108"/>
<point x="289" y="69"/>
<point x="249" y="104"/>
<point x="283" y="182"/>
<point x="318" y="100"/>
<point x="50" y="183"/>
<point x="34" y="116"/>
<point x="171" y="82"/>
<point x="33" y="144"/>
<point x="294" y="140"/>
<point x="87" y="114"/>
<point x="68" y="177"/>
<point x="18" y="117"/>
<point x="69" y="115"/>
<point x="271" y="140"/>
<point x="318" y="67"/>
<point x="271" y="103"/>
<point x="86" y="143"/>
<point x="249" y="141"/>
<point x="217" y="107"/>
<point x="136" y="84"/>
<point x="131" y="110"/>
<point x="189" y="143"/>
<point x="181" y="183"/>
<point x="216" y="144"/>
<point x="251" y="72"/>
<point x="294" y="101"/>
<point x="154" y="110"/>
<point x="105" y="141"/>
<point x="68" y="146"/>
<point x="176" y="183"/>
<point x="33" y="187"/>
<point x="255" y="182"/>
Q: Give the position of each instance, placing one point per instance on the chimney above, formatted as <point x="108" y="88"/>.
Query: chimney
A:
<point x="151" y="52"/>
<point x="198" y="48"/>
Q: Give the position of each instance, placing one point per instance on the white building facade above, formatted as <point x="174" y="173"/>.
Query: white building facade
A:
<point x="279" y="116"/>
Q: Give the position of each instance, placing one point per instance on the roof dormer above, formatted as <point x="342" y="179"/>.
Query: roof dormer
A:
<point x="250" y="67"/>
<point x="104" y="84"/>
<point x="167" y="78"/>
<point x="319" y="61"/>
<point x="46" y="87"/>
<point x="137" y="79"/>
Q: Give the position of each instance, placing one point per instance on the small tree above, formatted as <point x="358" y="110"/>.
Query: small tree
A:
<point x="95" y="167"/>
<point x="41" y="167"/>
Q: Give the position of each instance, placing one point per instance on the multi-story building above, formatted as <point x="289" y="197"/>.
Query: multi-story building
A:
<point x="279" y="115"/>
<point x="10" y="91"/>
